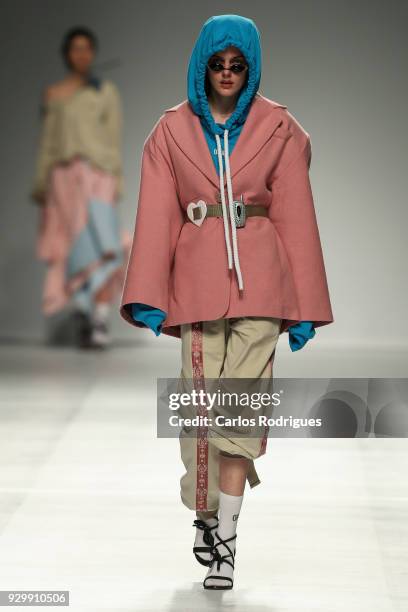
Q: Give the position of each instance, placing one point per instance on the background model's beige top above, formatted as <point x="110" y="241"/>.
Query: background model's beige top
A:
<point x="86" y="123"/>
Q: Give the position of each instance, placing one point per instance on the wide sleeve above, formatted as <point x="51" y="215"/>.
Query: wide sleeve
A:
<point x="159" y="220"/>
<point x="113" y="121"/>
<point x="293" y="214"/>
<point x="46" y="153"/>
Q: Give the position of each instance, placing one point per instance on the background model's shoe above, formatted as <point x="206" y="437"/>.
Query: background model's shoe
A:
<point x="220" y="576"/>
<point x="204" y="540"/>
<point x="99" y="336"/>
<point x="84" y="329"/>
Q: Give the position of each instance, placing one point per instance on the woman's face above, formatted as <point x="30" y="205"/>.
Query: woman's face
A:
<point x="226" y="82"/>
<point x="81" y="54"/>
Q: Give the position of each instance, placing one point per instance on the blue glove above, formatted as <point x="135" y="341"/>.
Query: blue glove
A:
<point x="300" y="333"/>
<point x="149" y="316"/>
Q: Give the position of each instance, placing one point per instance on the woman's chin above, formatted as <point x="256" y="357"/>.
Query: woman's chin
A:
<point x="227" y="92"/>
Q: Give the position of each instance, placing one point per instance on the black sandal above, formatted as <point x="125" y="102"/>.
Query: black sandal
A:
<point x="208" y="539"/>
<point x="219" y="559"/>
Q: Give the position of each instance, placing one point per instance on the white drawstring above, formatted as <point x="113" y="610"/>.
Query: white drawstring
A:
<point x="224" y="208"/>
<point x="232" y="216"/>
<point x="231" y="209"/>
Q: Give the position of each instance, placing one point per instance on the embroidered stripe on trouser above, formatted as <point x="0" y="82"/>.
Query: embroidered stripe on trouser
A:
<point x="241" y="347"/>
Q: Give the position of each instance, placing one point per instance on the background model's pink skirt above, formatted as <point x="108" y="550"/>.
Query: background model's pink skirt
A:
<point x="79" y="237"/>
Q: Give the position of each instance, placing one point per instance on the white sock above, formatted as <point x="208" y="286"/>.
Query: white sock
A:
<point x="229" y="509"/>
<point x="101" y="312"/>
<point x="228" y="512"/>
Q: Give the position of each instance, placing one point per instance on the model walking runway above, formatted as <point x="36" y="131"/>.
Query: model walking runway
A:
<point x="226" y="256"/>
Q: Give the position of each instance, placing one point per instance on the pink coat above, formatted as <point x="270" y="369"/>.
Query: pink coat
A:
<point x="182" y="268"/>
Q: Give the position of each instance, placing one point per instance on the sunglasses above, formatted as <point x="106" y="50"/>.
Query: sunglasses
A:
<point x="217" y="66"/>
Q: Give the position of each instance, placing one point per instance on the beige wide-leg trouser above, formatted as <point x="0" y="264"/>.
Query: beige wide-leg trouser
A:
<point x="241" y="347"/>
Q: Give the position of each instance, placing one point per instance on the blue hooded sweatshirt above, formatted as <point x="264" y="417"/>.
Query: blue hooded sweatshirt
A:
<point x="217" y="33"/>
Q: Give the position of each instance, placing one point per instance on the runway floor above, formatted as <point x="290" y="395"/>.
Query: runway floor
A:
<point x="89" y="497"/>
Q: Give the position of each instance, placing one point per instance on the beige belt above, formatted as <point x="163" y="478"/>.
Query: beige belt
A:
<point x="241" y="212"/>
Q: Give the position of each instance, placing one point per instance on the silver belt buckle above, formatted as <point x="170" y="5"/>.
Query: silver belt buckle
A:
<point x="239" y="212"/>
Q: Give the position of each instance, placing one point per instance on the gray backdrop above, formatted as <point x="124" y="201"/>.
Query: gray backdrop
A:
<point x="340" y="67"/>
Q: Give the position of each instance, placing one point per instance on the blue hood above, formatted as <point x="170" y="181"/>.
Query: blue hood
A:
<point x="217" y="33"/>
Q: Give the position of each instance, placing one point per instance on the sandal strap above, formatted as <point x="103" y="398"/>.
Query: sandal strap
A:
<point x="204" y="549"/>
<point x="218" y="558"/>
<point x="218" y="578"/>
<point x="207" y="536"/>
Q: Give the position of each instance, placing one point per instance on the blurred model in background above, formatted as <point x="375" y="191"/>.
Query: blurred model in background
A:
<point x="78" y="184"/>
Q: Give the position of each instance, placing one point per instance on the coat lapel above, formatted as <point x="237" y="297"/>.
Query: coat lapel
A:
<point x="185" y="128"/>
<point x="260" y="124"/>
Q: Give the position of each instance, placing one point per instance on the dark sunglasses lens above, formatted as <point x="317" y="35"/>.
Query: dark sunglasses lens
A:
<point x="238" y="68"/>
<point x="215" y="66"/>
